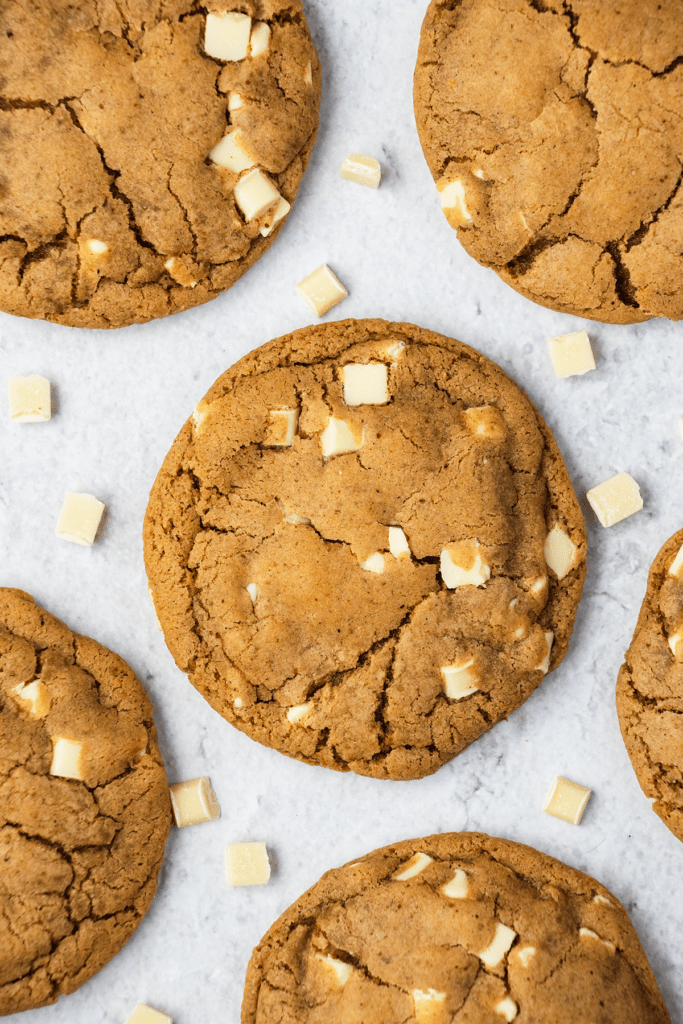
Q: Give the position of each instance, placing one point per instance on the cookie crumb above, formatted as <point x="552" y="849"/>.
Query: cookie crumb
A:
<point x="194" y="802"/>
<point x="79" y="518"/>
<point x="571" y="354"/>
<point x="364" y="170"/>
<point x="321" y="290"/>
<point x="615" y="499"/>
<point x="246" y="864"/>
<point x="29" y="399"/>
<point x="566" y="800"/>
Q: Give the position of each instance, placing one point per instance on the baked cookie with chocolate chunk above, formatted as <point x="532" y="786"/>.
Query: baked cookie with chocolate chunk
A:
<point x="650" y="688"/>
<point x="456" y="927"/>
<point x="554" y="132"/>
<point x="364" y="547"/>
<point x="84" y="805"/>
<point x="150" y="151"/>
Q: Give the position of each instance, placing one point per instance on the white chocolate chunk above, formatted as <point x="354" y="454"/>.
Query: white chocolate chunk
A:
<point x="539" y="584"/>
<point x="33" y="698"/>
<point x="143" y="1014"/>
<point x="255" y="194"/>
<point x="227" y="35"/>
<point x="297" y="520"/>
<point x="79" y="518"/>
<point x="321" y="290"/>
<point x="566" y="800"/>
<point x="602" y="899"/>
<point x="675" y="567"/>
<point x="430" y="1005"/>
<point x="453" y="203"/>
<point x="339" y="971"/>
<point x="486" y="421"/>
<point x="571" y="354"/>
<point x="396" y="350"/>
<point x="260" y="39"/>
<point x="675" y="643"/>
<point x="282" y="427"/>
<point x="544" y="663"/>
<point x="194" y="802"/>
<point x="458" y="886"/>
<point x="308" y="74"/>
<point x="96" y="247"/>
<point x="460" y="680"/>
<point x="615" y="499"/>
<point x="560" y="551"/>
<point x="29" y="399"/>
<point x="461" y="566"/>
<point x="398" y="542"/>
<point x="365" y="383"/>
<point x="238" y="702"/>
<point x="525" y="955"/>
<point x="374" y="563"/>
<point x="275" y="215"/>
<point x="586" y="933"/>
<point x="297" y="714"/>
<point x="364" y="170"/>
<point x="199" y="414"/>
<point x="507" y="1008"/>
<point x="235" y="101"/>
<point x="252" y="590"/>
<point x="67" y="758"/>
<point x="417" y="863"/>
<point x="338" y="438"/>
<point x="496" y="950"/>
<point x="246" y="864"/>
<point x="179" y="272"/>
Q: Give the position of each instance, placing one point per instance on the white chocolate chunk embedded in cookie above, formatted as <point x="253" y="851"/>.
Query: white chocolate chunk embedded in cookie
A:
<point x="226" y="36"/>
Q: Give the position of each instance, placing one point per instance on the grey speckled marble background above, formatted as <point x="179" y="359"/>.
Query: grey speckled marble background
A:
<point x="120" y="399"/>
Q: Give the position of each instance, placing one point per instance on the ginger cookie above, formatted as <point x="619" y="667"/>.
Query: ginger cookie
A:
<point x="84" y="805"/>
<point x="149" y="151"/>
<point x="554" y="133"/>
<point x="455" y="927"/>
<point x="650" y="688"/>
<point x="364" y="547"/>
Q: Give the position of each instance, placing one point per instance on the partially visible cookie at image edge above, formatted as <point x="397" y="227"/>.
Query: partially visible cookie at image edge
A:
<point x="453" y="927"/>
<point x="650" y="688"/>
<point x="84" y="805"/>
<point x="554" y="135"/>
<point x="364" y="547"/>
<point x="149" y="152"/>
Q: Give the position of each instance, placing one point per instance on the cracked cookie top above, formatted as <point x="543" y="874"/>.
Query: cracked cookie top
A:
<point x="149" y="150"/>
<point x="457" y="927"/>
<point x="84" y="805"/>
<point x="364" y="547"/>
<point x="650" y="688"/>
<point x="554" y="132"/>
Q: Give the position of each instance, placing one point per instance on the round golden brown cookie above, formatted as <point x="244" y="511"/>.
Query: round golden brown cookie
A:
<point x="84" y="805"/>
<point x="149" y="150"/>
<point x="554" y="132"/>
<point x="345" y="547"/>
<point x="453" y="928"/>
<point x="650" y="688"/>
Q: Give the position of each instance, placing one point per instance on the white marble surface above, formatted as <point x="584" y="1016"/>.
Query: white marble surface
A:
<point x="120" y="399"/>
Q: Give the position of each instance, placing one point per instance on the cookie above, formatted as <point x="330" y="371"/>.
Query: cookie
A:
<point x="553" y="132"/>
<point x="650" y="688"/>
<point x="346" y="547"/>
<point x="456" y="927"/>
<point x="84" y="805"/>
<point x="149" y="151"/>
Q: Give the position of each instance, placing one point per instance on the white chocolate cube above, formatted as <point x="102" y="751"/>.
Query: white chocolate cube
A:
<point x="230" y="154"/>
<point x="396" y="349"/>
<point x="525" y="954"/>
<point x="364" y="170"/>
<point x="675" y="567"/>
<point x="321" y="290"/>
<point x="67" y="758"/>
<point x="255" y="194"/>
<point x="308" y="74"/>
<point x="365" y="383"/>
<point x="179" y="272"/>
<point x="275" y="215"/>
<point x="566" y="800"/>
<point x="560" y="551"/>
<point x="252" y="590"/>
<point x="498" y="947"/>
<point x="298" y="713"/>
<point x="460" y="680"/>
<point x="544" y="664"/>
<point x="247" y="864"/>
<point x="486" y="421"/>
<point x="194" y="802"/>
<point x="458" y="886"/>
<point x="412" y="867"/>
<point x="235" y="102"/>
<point x="507" y="1008"/>
<point x="374" y="563"/>
<point x="96" y="247"/>
<point x="29" y="399"/>
<point x="430" y="1006"/>
<point x="453" y="202"/>
<point x="571" y="354"/>
<point x="398" y="542"/>
<point x="79" y="518"/>
<point x="339" y="971"/>
<point x="282" y="427"/>
<point x="143" y="1014"/>
<point x="591" y="936"/>
<point x="615" y="499"/>
<point x="338" y="438"/>
<point x="461" y="566"/>
<point x="33" y="697"/>
<point x="227" y="35"/>
<point x="260" y="39"/>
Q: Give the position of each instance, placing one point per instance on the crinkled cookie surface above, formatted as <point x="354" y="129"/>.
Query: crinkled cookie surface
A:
<point x="453" y="929"/>
<point x="111" y="211"/>
<point x="650" y="689"/>
<point x="79" y="857"/>
<point x="554" y="131"/>
<point x="370" y="592"/>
